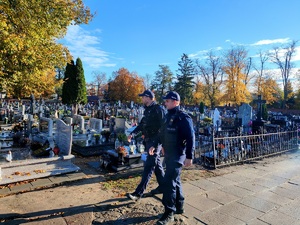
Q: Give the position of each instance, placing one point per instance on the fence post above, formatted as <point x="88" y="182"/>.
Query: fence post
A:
<point x="214" y="151"/>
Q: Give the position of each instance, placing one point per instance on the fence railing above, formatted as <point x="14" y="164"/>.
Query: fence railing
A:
<point x="219" y="151"/>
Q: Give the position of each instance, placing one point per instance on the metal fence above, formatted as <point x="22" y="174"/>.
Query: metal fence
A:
<point x="219" y="151"/>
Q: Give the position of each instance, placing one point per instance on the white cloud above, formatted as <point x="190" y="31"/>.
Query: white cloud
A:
<point x="274" y="41"/>
<point x="85" y="45"/>
<point x="297" y="54"/>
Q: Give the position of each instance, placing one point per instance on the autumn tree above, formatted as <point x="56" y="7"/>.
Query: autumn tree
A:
<point x="199" y="93"/>
<point x="185" y="75"/>
<point x="162" y="82"/>
<point x="269" y="90"/>
<point x="260" y="72"/>
<point x="147" y="80"/>
<point x="282" y="57"/>
<point x="98" y="85"/>
<point x="234" y="65"/>
<point x="211" y="73"/>
<point x="29" y="51"/>
<point x="125" y="86"/>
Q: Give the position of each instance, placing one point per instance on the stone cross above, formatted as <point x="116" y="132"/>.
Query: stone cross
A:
<point x="259" y="102"/>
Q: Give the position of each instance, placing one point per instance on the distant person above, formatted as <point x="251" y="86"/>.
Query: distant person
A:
<point x="178" y="141"/>
<point x="149" y="126"/>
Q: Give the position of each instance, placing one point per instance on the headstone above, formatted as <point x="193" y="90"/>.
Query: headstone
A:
<point x="63" y="137"/>
<point x="96" y="125"/>
<point x="120" y="124"/>
<point x="79" y="120"/>
<point x="245" y="114"/>
<point x="68" y="120"/>
<point x="46" y="126"/>
<point x="259" y="102"/>
<point x="216" y="118"/>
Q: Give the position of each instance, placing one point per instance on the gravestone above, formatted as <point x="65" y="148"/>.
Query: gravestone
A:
<point x="79" y="120"/>
<point x="63" y="137"/>
<point x="46" y="126"/>
<point x="216" y="118"/>
<point x="34" y="167"/>
<point x="245" y="115"/>
<point x="120" y="124"/>
<point x="68" y="120"/>
<point x="258" y="124"/>
<point x="96" y="125"/>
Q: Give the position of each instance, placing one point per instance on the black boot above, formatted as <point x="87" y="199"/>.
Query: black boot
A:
<point x="166" y="218"/>
<point x="156" y="191"/>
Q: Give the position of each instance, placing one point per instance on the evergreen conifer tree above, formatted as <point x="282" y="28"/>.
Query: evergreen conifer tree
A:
<point x="74" y="88"/>
<point x="81" y="87"/>
<point x="185" y="76"/>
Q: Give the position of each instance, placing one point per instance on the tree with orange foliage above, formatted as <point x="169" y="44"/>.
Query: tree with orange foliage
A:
<point x="234" y="66"/>
<point x="125" y="86"/>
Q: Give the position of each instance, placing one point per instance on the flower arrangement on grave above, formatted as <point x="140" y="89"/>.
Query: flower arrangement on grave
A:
<point x="121" y="150"/>
<point x="206" y="121"/>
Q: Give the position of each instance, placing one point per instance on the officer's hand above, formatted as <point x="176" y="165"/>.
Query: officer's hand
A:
<point x="162" y="151"/>
<point x="151" y="151"/>
<point x="129" y="138"/>
<point x="188" y="162"/>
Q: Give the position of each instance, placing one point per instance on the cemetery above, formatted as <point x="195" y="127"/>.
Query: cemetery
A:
<point x="39" y="139"/>
<point x="237" y="136"/>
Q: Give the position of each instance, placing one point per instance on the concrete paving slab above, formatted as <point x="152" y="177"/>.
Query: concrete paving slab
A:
<point x="4" y="191"/>
<point x="42" y="182"/>
<point x="190" y="211"/>
<point x="217" y="218"/>
<point x="191" y="190"/>
<point x="277" y="218"/>
<point x="295" y="180"/>
<point x="221" y="180"/>
<point x="274" y="176"/>
<point x="265" y="182"/>
<point x="249" y="173"/>
<point x="76" y="176"/>
<point x="206" y="184"/>
<point x="240" y="211"/>
<point x="256" y="222"/>
<point x="235" y="177"/>
<point x="202" y="203"/>
<point x="258" y="171"/>
<point x="272" y="197"/>
<point x="221" y="197"/>
<point x="258" y="203"/>
<point x="20" y="188"/>
<point x="285" y="192"/>
<point x="296" y="223"/>
<point x="290" y="186"/>
<point x="59" y="179"/>
<point x="249" y="185"/>
<point x="237" y="191"/>
<point x="292" y="209"/>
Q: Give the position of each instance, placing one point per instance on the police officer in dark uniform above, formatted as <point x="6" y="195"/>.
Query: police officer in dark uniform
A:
<point x="178" y="140"/>
<point x="149" y="126"/>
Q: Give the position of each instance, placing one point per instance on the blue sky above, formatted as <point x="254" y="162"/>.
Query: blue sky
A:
<point x="140" y="35"/>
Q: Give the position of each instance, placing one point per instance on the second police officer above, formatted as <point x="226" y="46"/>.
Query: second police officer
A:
<point x="149" y="126"/>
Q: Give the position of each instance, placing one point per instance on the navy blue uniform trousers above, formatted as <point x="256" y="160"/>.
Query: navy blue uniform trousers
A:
<point x="172" y="193"/>
<point x="152" y="164"/>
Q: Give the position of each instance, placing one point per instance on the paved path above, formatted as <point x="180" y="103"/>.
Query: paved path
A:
<point x="262" y="192"/>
